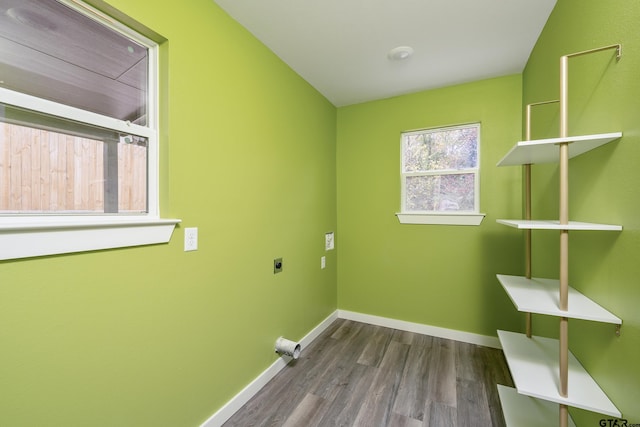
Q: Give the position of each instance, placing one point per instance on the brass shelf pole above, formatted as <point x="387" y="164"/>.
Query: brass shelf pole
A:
<point x="527" y="216"/>
<point x="564" y="220"/>
<point x="564" y="238"/>
<point x="527" y="239"/>
<point x="527" y="207"/>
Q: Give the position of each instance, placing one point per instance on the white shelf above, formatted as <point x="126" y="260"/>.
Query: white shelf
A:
<point x="546" y="150"/>
<point x="555" y="225"/>
<point x="524" y="411"/>
<point x="542" y="296"/>
<point x="533" y="363"/>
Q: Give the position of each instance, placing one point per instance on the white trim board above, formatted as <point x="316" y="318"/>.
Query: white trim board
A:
<point x="233" y="405"/>
<point x="450" y="218"/>
<point x="419" y="328"/>
<point x="73" y="234"/>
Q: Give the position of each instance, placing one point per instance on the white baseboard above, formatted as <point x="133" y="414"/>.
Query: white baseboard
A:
<point x="434" y="331"/>
<point x="256" y="385"/>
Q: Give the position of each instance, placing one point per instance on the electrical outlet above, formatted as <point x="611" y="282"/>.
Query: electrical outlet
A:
<point x="323" y="262"/>
<point x="191" y="239"/>
<point x="329" y="242"/>
<point x="277" y="265"/>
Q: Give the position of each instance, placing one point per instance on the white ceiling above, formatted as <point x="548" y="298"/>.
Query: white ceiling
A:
<point x="340" y="46"/>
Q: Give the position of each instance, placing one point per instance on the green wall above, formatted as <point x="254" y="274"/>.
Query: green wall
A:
<point x="430" y="274"/>
<point x="604" y="96"/>
<point x="155" y="336"/>
<point x="252" y="156"/>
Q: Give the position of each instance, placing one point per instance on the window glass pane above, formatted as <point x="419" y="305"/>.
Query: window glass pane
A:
<point x="51" y="165"/>
<point x="132" y="174"/>
<point x="447" y="149"/>
<point x="440" y="193"/>
<point x="53" y="52"/>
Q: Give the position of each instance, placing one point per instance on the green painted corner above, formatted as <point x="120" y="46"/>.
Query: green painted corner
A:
<point x="158" y="336"/>
<point x="436" y="275"/>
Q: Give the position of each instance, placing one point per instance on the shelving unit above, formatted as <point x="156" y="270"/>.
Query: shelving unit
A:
<point x="548" y="378"/>
<point x="546" y="150"/>
<point x="540" y="296"/>
<point x="533" y="363"/>
<point x="523" y="411"/>
<point x="555" y="225"/>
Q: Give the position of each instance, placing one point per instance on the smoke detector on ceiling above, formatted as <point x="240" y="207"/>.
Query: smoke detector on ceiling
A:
<point x="400" y="53"/>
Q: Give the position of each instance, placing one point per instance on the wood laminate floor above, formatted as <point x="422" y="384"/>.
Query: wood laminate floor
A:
<point x="356" y="374"/>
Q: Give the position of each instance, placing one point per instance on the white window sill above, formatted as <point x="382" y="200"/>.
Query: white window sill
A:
<point x="20" y="238"/>
<point x="449" y="218"/>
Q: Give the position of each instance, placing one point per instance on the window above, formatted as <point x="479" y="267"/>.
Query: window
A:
<point x="54" y="166"/>
<point x="440" y="175"/>
<point x="78" y="125"/>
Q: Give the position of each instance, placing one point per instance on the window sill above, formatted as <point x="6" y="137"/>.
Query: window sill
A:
<point x="449" y="218"/>
<point x="51" y="236"/>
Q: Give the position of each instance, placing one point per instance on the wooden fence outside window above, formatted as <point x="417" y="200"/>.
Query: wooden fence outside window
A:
<point x="42" y="171"/>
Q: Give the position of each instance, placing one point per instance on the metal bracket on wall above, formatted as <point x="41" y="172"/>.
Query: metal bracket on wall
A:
<point x="617" y="47"/>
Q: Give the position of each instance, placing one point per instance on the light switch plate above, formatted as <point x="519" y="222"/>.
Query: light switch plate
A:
<point x="191" y="239"/>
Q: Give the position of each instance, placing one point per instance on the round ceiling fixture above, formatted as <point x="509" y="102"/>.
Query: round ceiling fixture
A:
<point x="400" y="53"/>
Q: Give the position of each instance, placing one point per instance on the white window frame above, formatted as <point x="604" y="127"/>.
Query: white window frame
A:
<point x="23" y="235"/>
<point x="473" y="217"/>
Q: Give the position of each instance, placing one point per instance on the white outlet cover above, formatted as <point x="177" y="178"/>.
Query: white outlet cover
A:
<point x="328" y="241"/>
<point x="323" y="262"/>
<point x="191" y="239"/>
